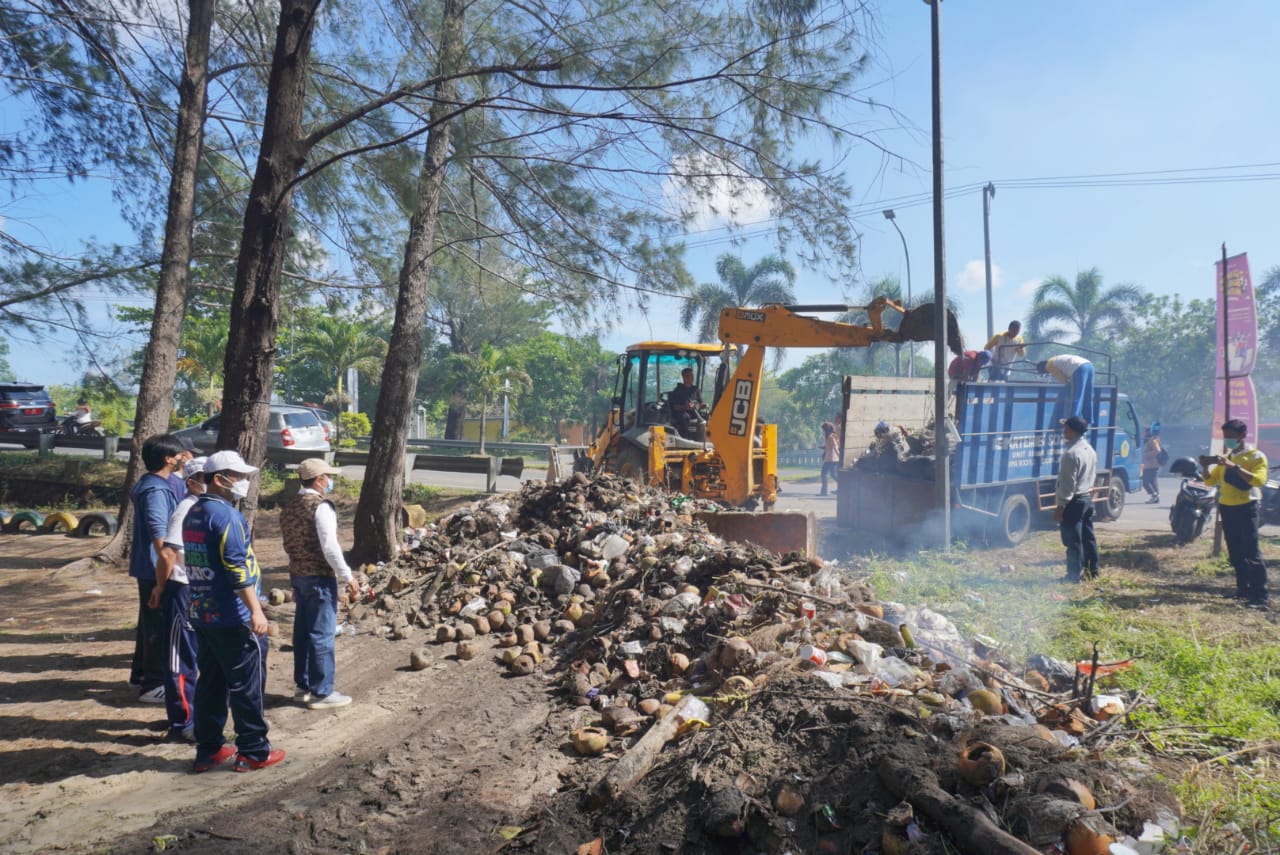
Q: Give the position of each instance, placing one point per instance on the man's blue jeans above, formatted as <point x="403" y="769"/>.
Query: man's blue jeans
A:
<point x="1076" y="529"/>
<point x="1082" y="393"/>
<point x="232" y="664"/>
<point x="314" y="624"/>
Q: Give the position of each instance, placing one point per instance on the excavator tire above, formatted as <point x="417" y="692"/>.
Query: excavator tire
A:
<point x="632" y="463"/>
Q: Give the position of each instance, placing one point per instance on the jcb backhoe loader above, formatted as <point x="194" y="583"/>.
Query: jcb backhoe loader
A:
<point x="728" y="458"/>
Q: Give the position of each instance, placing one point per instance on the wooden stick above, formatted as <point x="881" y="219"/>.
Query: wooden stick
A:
<point x="967" y="826"/>
<point x="637" y="762"/>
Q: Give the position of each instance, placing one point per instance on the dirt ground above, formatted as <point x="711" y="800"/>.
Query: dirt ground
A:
<point x="442" y="760"/>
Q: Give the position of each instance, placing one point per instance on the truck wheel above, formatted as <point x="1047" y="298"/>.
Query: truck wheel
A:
<point x="1113" y="507"/>
<point x="1014" y="523"/>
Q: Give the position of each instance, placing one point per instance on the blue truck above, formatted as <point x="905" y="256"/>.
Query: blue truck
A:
<point x="1004" y="460"/>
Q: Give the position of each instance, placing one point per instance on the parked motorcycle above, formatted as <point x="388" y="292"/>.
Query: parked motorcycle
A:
<point x="1195" y="503"/>
<point x="68" y="426"/>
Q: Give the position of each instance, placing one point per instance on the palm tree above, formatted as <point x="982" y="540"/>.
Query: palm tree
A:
<point x="769" y="280"/>
<point x="200" y="357"/>
<point x="337" y="344"/>
<point x="1085" y="312"/>
<point x="491" y="373"/>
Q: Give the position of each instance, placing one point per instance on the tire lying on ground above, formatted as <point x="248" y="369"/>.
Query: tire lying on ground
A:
<point x="60" y="521"/>
<point x="92" y="524"/>
<point x="22" y="518"/>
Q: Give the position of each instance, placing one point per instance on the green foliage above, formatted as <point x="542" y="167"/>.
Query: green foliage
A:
<point x="420" y="494"/>
<point x="352" y="425"/>
<point x="1084" y="313"/>
<point x="1164" y="360"/>
<point x="770" y="280"/>
<point x="570" y="378"/>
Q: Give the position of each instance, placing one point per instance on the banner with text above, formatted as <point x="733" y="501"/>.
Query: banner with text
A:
<point x="1236" y="351"/>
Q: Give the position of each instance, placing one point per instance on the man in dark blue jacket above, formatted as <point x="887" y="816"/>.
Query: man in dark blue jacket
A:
<point x="153" y="503"/>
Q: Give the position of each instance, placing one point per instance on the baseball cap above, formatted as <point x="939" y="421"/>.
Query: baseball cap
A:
<point x="228" y="461"/>
<point x="194" y="467"/>
<point x="314" y="467"/>
<point x="1077" y="424"/>
<point x="186" y="443"/>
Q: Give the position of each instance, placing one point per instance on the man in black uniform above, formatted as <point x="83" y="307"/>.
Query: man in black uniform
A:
<point x="685" y="399"/>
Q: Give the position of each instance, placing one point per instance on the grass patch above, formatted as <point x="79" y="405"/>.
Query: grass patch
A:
<point x="1210" y="668"/>
<point x="84" y="469"/>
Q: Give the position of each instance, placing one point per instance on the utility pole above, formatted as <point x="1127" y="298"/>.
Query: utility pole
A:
<point x="1226" y="387"/>
<point x="988" y="193"/>
<point x="942" y="458"/>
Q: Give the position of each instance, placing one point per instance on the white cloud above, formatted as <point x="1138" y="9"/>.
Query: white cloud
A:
<point x="714" y="194"/>
<point x="973" y="279"/>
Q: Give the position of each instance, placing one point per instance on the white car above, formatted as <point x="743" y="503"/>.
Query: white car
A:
<point x="292" y="428"/>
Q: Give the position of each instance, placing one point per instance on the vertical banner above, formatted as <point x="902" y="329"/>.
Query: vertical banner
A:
<point x="1239" y="350"/>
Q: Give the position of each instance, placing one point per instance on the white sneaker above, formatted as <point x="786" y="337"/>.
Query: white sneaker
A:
<point x="302" y="696"/>
<point x="152" y="696"/>
<point x="329" y="701"/>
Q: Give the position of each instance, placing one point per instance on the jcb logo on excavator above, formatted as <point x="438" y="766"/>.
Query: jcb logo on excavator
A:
<point x="741" y="407"/>
<point x="758" y="317"/>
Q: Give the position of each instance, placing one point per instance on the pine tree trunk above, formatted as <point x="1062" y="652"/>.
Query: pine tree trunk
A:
<point x="160" y="368"/>
<point x="455" y="418"/>
<point x="377" y="519"/>
<point x="251" y="339"/>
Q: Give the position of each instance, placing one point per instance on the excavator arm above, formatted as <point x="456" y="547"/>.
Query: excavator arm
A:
<point x="732" y="422"/>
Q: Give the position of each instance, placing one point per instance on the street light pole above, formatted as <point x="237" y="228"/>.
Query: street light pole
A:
<point x="988" y="193"/>
<point x="911" y="348"/>
<point x="942" y="456"/>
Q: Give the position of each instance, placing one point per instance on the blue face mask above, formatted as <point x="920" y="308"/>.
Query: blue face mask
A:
<point x="1230" y="444"/>
<point x="328" y="486"/>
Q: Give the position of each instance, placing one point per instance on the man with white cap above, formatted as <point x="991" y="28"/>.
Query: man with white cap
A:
<point x="309" y="528"/>
<point x="172" y="593"/>
<point x="230" y="626"/>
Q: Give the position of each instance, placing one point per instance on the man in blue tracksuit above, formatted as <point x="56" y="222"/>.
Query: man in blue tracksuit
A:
<point x="153" y="503"/>
<point x="230" y="626"/>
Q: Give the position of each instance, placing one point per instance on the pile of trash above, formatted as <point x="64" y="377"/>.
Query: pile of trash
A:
<point x="755" y="702"/>
<point x="896" y="449"/>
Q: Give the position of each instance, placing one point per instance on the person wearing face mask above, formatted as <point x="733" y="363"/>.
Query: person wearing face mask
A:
<point x="172" y="596"/>
<point x="309" y="528"/>
<point x="1241" y="472"/>
<point x="153" y="503"/>
<point x="230" y="625"/>
<point x="1073" y="510"/>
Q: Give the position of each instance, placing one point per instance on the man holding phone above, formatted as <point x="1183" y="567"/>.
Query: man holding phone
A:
<point x="1239" y="474"/>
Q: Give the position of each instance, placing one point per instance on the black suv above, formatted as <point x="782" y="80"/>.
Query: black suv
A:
<point x="25" y="407"/>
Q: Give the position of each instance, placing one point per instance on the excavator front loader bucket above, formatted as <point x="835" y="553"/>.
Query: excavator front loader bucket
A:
<point x="917" y="325"/>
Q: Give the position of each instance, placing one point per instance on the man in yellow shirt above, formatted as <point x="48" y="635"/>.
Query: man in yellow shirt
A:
<point x="1239" y="476"/>
<point x="1006" y="348"/>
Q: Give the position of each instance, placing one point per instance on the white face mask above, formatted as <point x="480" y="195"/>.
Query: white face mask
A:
<point x="240" y="489"/>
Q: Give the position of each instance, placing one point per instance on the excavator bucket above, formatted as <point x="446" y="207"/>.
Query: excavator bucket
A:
<point x="917" y="325"/>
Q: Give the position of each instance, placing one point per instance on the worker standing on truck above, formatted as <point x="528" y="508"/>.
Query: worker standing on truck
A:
<point x="1006" y="348"/>
<point x="1241" y="471"/>
<point x="1076" y="373"/>
<point x="1073" y="510"/>
<point x="685" y="399"/>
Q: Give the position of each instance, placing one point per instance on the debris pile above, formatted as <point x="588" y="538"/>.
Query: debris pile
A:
<point x="796" y="712"/>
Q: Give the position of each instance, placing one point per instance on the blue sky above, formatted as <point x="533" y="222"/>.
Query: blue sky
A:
<point x="1031" y="90"/>
<point x="1034" y="90"/>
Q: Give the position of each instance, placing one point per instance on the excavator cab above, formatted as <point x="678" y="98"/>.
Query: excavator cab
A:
<point x="647" y="390"/>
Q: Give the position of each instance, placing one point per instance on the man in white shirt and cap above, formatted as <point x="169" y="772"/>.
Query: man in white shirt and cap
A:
<point x="309" y="528"/>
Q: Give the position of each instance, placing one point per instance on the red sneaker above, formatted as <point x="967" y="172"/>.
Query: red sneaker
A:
<point x="222" y="755"/>
<point x="246" y="764"/>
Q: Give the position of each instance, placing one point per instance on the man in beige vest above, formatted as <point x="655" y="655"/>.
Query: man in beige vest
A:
<point x="309" y="528"/>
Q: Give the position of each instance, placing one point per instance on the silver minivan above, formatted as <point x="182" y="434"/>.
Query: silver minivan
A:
<point x="291" y="428"/>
